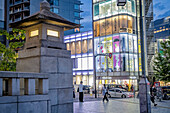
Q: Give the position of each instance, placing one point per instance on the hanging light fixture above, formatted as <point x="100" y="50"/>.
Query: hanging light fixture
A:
<point x="121" y="2"/>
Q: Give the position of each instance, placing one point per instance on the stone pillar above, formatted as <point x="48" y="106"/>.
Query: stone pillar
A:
<point x="45" y="86"/>
<point x="31" y="86"/>
<point x="144" y="96"/>
<point x="1" y="86"/>
<point x="15" y="86"/>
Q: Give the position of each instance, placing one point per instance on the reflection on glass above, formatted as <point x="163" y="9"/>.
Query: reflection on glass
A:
<point x="116" y="44"/>
<point x="96" y="29"/>
<point x="73" y="48"/>
<point x="108" y="44"/>
<point x="115" y="24"/>
<point x="90" y="46"/>
<point x="78" y="47"/>
<point x="102" y="27"/>
<point x="68" y="46"/>
<point x="116" y="62"/>
<point x="84" y="46"/>
<point x="108" y="26"/>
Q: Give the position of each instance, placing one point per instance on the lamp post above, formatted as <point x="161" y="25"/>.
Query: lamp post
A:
<point x="144" y="86"/>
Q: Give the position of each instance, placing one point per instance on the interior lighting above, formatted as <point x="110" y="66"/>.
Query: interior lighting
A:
<point x="52" y="33"/>
<point x="34" y="33"/>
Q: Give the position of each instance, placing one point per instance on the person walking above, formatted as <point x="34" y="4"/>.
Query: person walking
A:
<point x="153" y="99"/>
<point x="105" y="93"/>
<point x="80" y="90"/>
<point x="152" y="95"/>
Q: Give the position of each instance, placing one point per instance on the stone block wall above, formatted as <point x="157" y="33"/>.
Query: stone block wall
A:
<point x="13" y="100"/>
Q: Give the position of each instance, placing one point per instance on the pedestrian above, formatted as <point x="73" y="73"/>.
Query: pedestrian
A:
<point x="131" y="87"/>
<point x="153" y="99"/>
<point x="80" y="90"/>
<point x="105" y="93"/>
<point x="152" y="95"/>
<point x="127" y="87"/>
<point x="74" y="92"/>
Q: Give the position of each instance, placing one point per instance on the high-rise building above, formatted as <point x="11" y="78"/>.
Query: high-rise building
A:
<point x="149" y="35"/>
<point x="2" y="19"/>
<point x="162" y="28"/>
<point x="117" y="49"/>
<point x="161" y="32"/>
<point x="81" y="47"/>
<point x="68" y="9"/>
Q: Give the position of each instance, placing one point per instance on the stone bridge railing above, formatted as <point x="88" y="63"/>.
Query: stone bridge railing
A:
<point x="19" y="90"/>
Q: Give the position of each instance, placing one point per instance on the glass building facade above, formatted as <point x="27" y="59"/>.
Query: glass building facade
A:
<point x="81" y="47"/>
<point x="116" y="43"/>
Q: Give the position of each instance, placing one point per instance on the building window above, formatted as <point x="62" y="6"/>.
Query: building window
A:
<point x="55" y="10"/>
<point x="78" y="47"/>
<point x="76" y="6"/>
<point x="76" y="14"/>
<point x="77" y="21"/>
<point x="54" y="2"/>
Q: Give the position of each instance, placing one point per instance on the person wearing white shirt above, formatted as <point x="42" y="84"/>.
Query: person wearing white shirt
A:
<point x="80" y="90"/>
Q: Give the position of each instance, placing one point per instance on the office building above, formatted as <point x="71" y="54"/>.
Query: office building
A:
<point x="161" y="31"/>
<point x="2" y="19"/>
<point x="117" y="49"/>
<point x="150" y="36"/>
<point x="81" y="47"/>
<point x="68" y="9"/>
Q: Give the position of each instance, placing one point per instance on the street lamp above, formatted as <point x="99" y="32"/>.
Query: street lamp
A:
<point x="121" y="2"/>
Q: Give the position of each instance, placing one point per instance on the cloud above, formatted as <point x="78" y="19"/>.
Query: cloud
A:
<point x="159" y="6"/>
<point x="167" y="13"/>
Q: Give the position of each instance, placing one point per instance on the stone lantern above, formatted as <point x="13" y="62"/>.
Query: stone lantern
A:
<point x="121" y="2"/>
<point x="44" y="35"/>
<point x="45" y="52"/>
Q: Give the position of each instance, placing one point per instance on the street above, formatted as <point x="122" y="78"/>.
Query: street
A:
<point x="117" y="105"/>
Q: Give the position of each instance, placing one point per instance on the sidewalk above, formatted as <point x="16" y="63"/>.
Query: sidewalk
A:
<point x="116" y="105"/>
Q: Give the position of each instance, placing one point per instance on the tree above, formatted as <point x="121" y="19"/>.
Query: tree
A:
<point x="8" y="54"/>
<point x="161" y="62"/>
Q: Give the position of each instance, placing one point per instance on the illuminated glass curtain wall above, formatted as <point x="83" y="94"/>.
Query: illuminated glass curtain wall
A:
<point x="116" y="44"/>
<point x="81" y="47"/>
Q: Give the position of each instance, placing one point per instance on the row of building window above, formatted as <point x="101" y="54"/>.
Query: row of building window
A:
<point x="109" y="7"/>
<point x="116" y="24"/>
<point x="78" y="47"/>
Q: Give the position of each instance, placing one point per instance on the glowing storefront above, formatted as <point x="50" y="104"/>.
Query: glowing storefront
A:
<point x="81" y="47"/>
<point x="116" y="43"/>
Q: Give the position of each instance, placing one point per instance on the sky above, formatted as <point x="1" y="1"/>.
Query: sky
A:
<point x="161" y="9"/>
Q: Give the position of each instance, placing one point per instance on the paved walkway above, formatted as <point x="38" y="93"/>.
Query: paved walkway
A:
<point x="115" y="105"/>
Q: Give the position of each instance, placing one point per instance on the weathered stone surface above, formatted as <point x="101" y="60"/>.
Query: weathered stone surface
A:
<point x="45" y="86"/>
<point x="29" y="53"/>
<point x="1" y="86"/>
<point x="53" y="95"/>
<point x="49" y="65"/>
<point x="55" y="52"/>
<point x="65" y="108"/>
<point x="28" y="64"/>
<point x="63" y="97"/>
<point x="33" y="107"/>
<point x="31" y="86"/>
<point x="15" y="86"/>
<point x="65" y="65"/>
<point x="60" y="80"/>
<point x="8" y="108"/>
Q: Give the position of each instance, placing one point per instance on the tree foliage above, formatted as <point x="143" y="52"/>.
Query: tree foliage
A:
<point x="8" y="54"/>
<point x="161" y="63"/>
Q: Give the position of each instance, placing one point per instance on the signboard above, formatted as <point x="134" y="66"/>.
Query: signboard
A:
<point x="110" y="55"/>
<point x="157" y="84"/>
